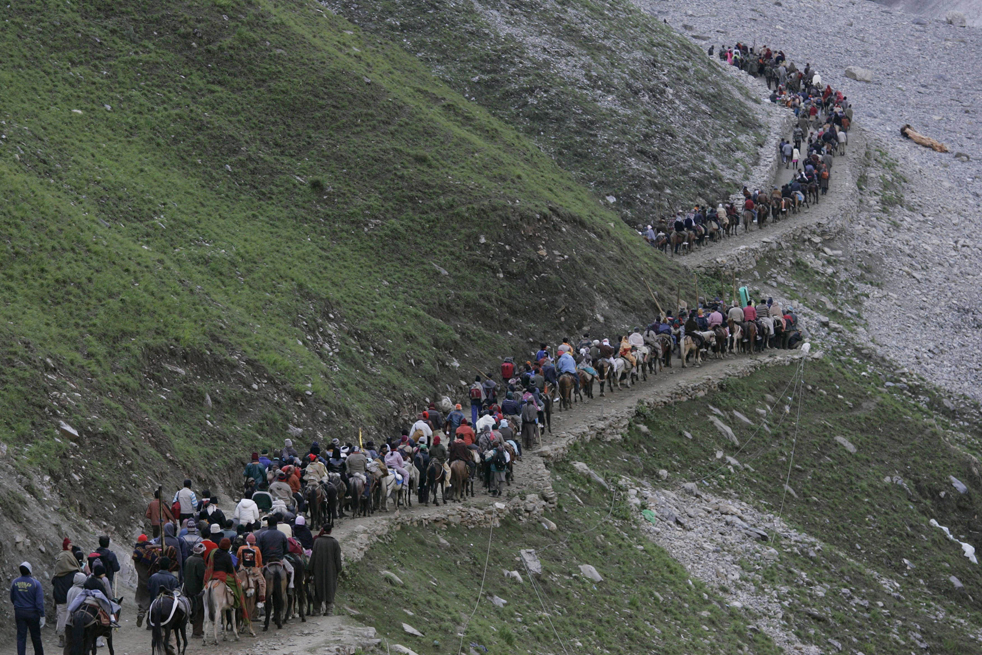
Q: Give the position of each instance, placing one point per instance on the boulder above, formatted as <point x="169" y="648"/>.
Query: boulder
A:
<point x="724" y="429"/>
<point x="845" y="443"/>
<point x="589" y="572"/>
<point x="399" y="648"/>
<point x="859" y="74"/>
<point x="588" y="472"/>
<point x="955" y="581"/>
<point x="531" y="561"/>
<point x="392" y="578"/>
<point x="958" y="484"/>
<point x="411" y="630"/>
<point x="956" y="18"/>
<point x="962" y="156"/>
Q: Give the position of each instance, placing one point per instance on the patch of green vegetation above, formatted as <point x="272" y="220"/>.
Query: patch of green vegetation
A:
<point x="646" y="602"/>
<point x="262" y="205"/>
<point x="871" y="508"/>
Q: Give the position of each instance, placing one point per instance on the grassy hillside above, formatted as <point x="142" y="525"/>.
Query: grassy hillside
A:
<point x="219" y="218"/>
<point x="646" y="603"/>
<point x="870" y="508"/>
<point x="612" y="94"/>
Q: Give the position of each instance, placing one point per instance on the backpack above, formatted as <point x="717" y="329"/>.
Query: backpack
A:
<point x="294" y="547"/>
<point x="507" y="370"/>
<point x="499" y="459"/>
<point x="825" y="175"/>
<point x="175" y="509"/>
<point x="475" y="393"/>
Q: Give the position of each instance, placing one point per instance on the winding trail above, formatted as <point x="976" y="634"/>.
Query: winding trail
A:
<point x="741" y="251"/>
<point x="592" y="418"/>
<point x="343" y="634"/>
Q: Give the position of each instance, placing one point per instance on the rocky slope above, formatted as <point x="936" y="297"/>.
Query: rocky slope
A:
<point x="917" y="203"/>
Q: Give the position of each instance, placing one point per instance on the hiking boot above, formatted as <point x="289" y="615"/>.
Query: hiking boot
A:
<point x="139" y="621"/>
<point x="61" y="641"/>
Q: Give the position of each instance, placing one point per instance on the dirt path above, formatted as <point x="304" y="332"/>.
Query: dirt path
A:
<point x="342" y="635"/>
<point x="738" y="252"/>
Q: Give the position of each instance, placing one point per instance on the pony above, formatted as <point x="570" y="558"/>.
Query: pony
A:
<point x="436" y="478"/>
<point x="84" y="629"/>
<point x="623" y="369"/>
<point x="811" y="192"/>
<point x="679" y="241"/>
<point x="218" y="599"/>
<point x="605" y="372"/>
<point x="766" y="324"/>
<point x="720" y="346"/>
<point x="297" y="596"/>
<point x="586" y="384"/>
<point x="690" y="346"/>
<point x="404" y="495"/>
<point x="460" y="481"/>
<point x="749" y="337"/>
<point x="169" y="613"/>
<point x="358" y="502"/>
<point x="383" y="485"/>
<point x="249" y="584"/>
<point x="748" y="218"/>
<point x="276" y="593"/>
<point x="566" y="386"/>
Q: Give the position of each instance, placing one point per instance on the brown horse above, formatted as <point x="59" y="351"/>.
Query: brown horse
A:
<point x="749" y="340"/>
<point x="748" y="218"/>
<point x="459" y="481"/>
<point x="679" y="242"/>
<point x="566" y="387"/>
<point x="811" y="193"/>
<point x="605" y="372"/>
<point x="719" y="347"/>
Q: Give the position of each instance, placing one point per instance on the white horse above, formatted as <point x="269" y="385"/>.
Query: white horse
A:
<point x="623" y="369"/>
<point x="766" y="330"/>
<point x="218" y="600"/>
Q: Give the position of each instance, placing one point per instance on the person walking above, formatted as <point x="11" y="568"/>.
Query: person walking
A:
<point x="66" y="566"/>
<point x="188" y="501"/>
<point x="157" y="513"/>
<point x="325" y="568"/>
<point x="144" y="559"/>
<point x="28" y="600"/>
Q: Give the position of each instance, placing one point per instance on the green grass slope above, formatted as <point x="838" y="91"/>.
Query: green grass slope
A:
<point x="218" y="218"/>
<point x="615" y="96"/>
<point x="646" y="603"/>
<point x="871" y="508"/>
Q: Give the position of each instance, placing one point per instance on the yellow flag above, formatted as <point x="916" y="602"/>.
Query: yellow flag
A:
<point x="360" y="445"/>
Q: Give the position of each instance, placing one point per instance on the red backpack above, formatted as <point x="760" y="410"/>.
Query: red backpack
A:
<point x="507" y="370"/>
<point x="475" y="393"/>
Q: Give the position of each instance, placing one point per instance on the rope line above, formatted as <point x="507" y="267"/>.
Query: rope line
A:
<point x="759" y="426"/>
<point x="484" y="576"/>
<point x="543" y="605"/>
<point x="794" y="443"/>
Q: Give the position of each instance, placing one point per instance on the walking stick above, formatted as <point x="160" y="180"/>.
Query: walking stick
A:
<point x="657" y="304"/>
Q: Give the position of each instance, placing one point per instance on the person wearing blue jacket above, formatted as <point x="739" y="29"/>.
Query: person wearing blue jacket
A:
<point x="28" y="600"/>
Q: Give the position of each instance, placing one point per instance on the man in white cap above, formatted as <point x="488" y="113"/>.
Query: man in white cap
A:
<point x="28" y="600"/>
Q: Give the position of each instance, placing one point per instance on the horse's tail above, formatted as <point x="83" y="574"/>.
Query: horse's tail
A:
<point x="78" y="632"/>
<point x="277" y="591"/>
<point x="210" y="609"/>
<point x="156" y="640"/>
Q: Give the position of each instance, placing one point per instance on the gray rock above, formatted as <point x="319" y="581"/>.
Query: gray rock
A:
<point x="724" y="429"/>
<point x="741" y="417"/>
<point x="589" y="572"/>
<point x="962" y="157"/>
<point x="392" y="578"/>
<point x="207" y="401"/>
<point x="958" y="484"/>
<point x="514" y="575"/>
<point x="663" y="474"/>
<point x="531" y="560"/>
<point x="498" y="602"/>
<point x="691" y="488"/>
<point x="411" y="630"/>
<point x="549" y="525"/>
<point x="588" y="472"/>
<point x="956" y="18"/>
<point x="294" y="431"/>
<point x="402" y="650"/>
<point x="771" y="554"/>
<point x="845" y="443"/>
<point x="859" y="74"/>
<point x="955" y="581"/>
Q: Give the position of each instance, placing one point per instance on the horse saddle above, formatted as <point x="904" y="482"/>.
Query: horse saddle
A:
<point x="101" y="616"/>
<point x="396" y="475"/>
